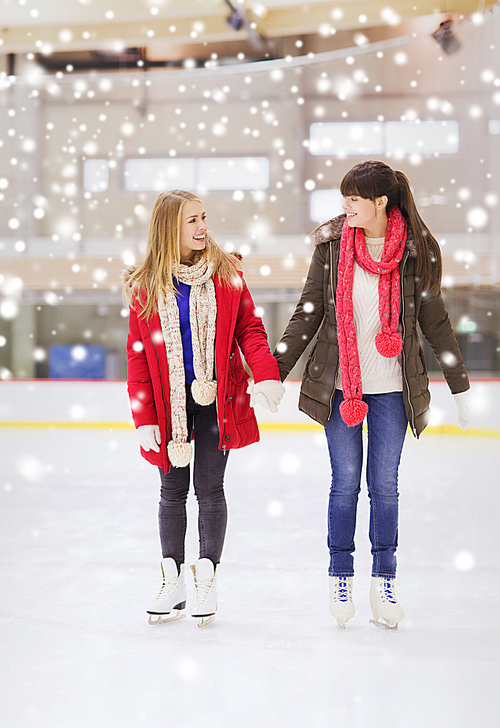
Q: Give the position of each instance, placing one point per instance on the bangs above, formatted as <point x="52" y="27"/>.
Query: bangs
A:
<point x="359" y="182"/>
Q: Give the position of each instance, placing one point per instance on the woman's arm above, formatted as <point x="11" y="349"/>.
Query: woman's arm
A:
<point x="139" y="384"/>
<point x="436" y="327"/>
<point x="307" y="317"/>
<point x="252" y="339"/>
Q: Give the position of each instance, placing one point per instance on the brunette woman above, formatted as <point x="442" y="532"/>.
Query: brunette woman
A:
<point x="375" y="273"/>
<point x="190" y="314"/>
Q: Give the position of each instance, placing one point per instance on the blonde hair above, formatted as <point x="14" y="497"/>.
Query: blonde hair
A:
<point x="156" y="273"/>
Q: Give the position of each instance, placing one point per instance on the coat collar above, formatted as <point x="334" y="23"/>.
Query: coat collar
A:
<point x="332" y="231"/>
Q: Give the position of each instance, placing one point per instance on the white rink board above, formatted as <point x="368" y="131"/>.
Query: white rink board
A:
<point x="103" y="402"/>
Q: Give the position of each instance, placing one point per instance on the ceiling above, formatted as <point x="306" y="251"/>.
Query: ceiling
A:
<point x="173" y="29"/>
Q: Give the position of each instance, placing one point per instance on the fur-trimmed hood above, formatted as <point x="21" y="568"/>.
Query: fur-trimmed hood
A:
<point x="332" y="230"/>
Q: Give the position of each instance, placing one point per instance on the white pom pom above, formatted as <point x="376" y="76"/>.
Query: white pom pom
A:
<point x="179" y="453"/>
<point x="204" y="392"/>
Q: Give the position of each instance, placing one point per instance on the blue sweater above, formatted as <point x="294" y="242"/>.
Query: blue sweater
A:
<point x="185" y="326"/>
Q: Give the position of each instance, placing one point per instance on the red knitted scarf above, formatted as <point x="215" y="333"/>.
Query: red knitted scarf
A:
<point x="389" y="341"/>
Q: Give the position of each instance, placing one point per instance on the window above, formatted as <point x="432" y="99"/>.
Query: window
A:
<point x="207" y="173"/>
<point x="96" y="175"/>
<point x="421" y="137"/>
<point x="233" y="173"/>
<point x="342" y="139"/>
<point x="494" y="127"/>
<point x="325" y="204"/>
<point x="346" y="138"/>
<point x="158" y="175"/>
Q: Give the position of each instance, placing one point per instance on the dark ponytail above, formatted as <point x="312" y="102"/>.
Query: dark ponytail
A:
<point x="374" y="179"/>
<point x="429" y="260"/>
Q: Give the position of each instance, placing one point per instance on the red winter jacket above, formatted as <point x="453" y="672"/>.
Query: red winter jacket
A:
<point x="238" y="326"/>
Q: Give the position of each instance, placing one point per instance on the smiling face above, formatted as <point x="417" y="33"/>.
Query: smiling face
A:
<point x="193" y="229"/>
<point x="367" y="214"/>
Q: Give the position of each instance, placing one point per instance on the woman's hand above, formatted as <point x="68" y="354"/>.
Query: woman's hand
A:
<point x="462" y="402"/>
<point x="268" y="394"/>
<point x="149" y="437"/>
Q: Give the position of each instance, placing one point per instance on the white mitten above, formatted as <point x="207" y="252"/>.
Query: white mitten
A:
<point x="462" y="402"/>
<point x="149" y="437"/>
<point x="268" y="394"/>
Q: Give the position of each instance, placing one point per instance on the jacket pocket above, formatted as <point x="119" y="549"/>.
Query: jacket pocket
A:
<point x="423" y="367"/>
<point x="316" y="363"/>
<point x="237" y="399"/>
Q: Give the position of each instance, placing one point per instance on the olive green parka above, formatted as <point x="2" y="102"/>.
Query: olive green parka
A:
<point x="316" y="313"/>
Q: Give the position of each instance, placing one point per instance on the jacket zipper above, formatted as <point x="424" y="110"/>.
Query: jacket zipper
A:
<point x="403" y="358"/>
<point x="217" y="404"/>
<point x="335" y="309"/>
<point x="224" y="449"/>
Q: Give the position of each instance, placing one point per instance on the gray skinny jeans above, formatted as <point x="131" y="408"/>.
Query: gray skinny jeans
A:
<point x="208" y="479"/>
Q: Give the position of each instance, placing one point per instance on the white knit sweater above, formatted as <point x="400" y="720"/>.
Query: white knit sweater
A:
<point x="378" y="374"/>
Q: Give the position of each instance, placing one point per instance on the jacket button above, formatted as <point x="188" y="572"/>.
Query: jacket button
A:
<point x="228" y="399"/>
<point x="227" y="438"/>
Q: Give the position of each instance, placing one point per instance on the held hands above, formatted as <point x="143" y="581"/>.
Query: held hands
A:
<point x="462" y="402"/>
<point x="268" y="394"/>
<point x="149" y="437"/>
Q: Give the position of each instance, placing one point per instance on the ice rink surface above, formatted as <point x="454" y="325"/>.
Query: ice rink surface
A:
<point x="80" y="561"/>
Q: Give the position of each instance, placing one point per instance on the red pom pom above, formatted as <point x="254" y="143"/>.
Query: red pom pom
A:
<point x="353" y="411"/>
<point x="389" y="345"/>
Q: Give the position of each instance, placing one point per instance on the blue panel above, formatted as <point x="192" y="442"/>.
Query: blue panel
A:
<point x="79" y="361"/>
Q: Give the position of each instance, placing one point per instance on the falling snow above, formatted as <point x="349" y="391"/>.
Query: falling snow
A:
<point x="68" y="191"/>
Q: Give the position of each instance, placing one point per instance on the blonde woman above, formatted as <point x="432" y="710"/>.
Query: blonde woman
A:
<point x="190" y="315"/>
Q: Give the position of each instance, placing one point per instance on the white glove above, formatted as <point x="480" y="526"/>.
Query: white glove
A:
<point x="149" y="437"/>
<point x="268" y="394"/>
<point x="462" y="402"/>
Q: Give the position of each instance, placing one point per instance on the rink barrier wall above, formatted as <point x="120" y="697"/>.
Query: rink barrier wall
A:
<point x="104" y="404"/>
<point x="279" y="426"/>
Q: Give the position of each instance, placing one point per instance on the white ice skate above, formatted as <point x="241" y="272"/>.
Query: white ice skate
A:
<point x="341" y="604"/>
<point x="168" y="605"/>
<point x="384" y="603"/>
<point x="205" y="592"/>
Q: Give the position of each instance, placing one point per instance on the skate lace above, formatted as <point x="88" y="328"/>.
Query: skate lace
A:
<point x="343" y="594"/>
<point x="389" y="591"/>
<point x="203" y="590"/>
<point x="167" y="589"/>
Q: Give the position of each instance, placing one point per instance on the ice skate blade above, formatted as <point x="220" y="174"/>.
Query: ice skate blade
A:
<point x="205" y="621"/>
<point x="173" y="616"/>
<point x="383" y="625"/>
<point x="341" y="625"/>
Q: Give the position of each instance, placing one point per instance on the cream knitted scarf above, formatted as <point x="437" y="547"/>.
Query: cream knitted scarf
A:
<point x="202" y="316"/>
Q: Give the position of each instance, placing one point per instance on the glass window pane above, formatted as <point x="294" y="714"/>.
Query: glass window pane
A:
<point x="346" y="138"/>
<point x="494" y="126"/>
<point x="159" y="175"/>
<point x="233" y="173"/>
<point x="424" y="137"/>
<point x="96" y="175"/>
<point x="325" y="204"/>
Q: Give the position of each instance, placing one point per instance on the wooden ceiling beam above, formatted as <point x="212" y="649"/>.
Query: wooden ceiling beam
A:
<point x="277" y="22"/>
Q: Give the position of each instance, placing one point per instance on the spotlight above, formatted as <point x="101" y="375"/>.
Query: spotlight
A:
<point x="235" y="20"/>
<point x="445" y="38"/>
<point x="239" y="21"/>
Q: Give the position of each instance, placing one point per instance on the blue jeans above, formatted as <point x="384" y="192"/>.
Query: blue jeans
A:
<point x="387" y="423"/>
